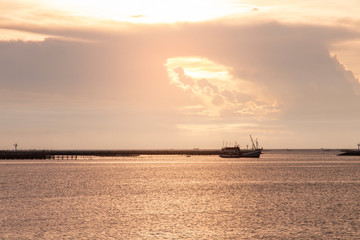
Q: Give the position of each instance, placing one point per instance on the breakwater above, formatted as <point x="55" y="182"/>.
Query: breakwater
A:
<point x="51" y="154"/>
<point x="349" y="153"/>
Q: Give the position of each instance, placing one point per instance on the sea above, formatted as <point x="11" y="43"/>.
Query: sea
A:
<point x="298" y="194"/>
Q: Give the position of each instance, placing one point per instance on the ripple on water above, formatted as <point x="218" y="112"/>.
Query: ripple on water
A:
<point x="275" y="197"/>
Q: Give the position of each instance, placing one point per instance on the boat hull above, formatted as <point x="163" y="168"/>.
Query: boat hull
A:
<point x="241" y="154"/>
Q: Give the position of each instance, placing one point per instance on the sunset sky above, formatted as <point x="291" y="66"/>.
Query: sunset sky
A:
<point x="179" y="74"/>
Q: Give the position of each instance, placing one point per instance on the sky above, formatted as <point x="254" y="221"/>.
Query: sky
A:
<point x="179" y="74"/>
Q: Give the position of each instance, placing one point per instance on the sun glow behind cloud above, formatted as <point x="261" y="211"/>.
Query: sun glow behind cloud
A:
<point x="155" y="11"/>
<point x="216" y="91"/>
<point x="8" y="35"/>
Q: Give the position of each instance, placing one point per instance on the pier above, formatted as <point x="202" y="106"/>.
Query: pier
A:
<point x="73" y="154"/>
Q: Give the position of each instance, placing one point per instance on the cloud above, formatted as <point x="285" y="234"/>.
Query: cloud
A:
<point x="348" y="74"/>
<point x="277" y="73"/>
<point x="205" y="84"/>
<point x="217" y="90"/>
<point x="138" y="16"/>
<point x="183" y="81"/>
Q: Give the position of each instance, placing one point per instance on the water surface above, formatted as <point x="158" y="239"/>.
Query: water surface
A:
<point x="282" y="195"/>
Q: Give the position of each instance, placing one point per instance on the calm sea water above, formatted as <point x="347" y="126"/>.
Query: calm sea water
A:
<point x="282" y="195"/>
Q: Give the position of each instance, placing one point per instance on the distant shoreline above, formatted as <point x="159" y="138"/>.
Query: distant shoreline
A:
<point x="52" y="154"/>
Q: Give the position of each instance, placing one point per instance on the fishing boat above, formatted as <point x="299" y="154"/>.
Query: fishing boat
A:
<point x="236" y="152"/>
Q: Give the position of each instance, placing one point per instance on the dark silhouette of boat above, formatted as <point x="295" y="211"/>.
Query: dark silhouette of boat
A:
<point x="236" y="152"/>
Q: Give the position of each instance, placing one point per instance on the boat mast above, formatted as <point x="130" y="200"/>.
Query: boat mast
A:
<point x="252" y="141"/>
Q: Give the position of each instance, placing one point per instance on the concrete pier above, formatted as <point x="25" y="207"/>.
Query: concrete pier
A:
<point x="66" y="154"/>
